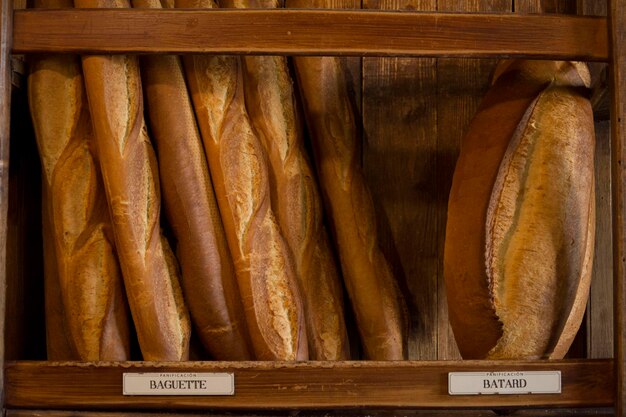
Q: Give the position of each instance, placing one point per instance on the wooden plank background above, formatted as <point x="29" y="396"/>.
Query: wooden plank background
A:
<point x="600" y="307"/>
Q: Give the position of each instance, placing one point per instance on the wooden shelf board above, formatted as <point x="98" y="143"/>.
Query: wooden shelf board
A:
<point x="595" y="412"/>
<point x="304" y="385"/>
<point x="311" y="32"/>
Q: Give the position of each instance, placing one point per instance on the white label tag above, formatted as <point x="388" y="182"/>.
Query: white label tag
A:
<point x="506" y="382"/>
<point x="166" y="383"/>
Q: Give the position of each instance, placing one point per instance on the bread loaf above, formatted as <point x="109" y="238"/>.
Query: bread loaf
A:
<point x="58" y="344"/>
<point x="521" y="215"/>
<point x="295" y="197"/>
<point x="240" y="173"/>
<point x="208" y="275"/>
<point x="377" y="302"/>
<point x="95" y="315"/>
<point x="131" y="181"/>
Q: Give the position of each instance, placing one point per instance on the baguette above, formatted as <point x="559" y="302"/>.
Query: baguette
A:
<point x="521" y="215"/>
<point x="377" y="302"/>
<point x="131" y="181"/>
<point x="295" y="198"/>
<point x="58" y="344"/>
<point x="208" y="276"/>
<point x="239" y="169"/>
<point x="94" y="318"/>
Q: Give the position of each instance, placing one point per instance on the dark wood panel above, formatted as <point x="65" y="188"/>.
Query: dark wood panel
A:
<point x="460" y="87"/>
<point x="309" y="32"/>
<point x="592" y="7"/>
<point x="399" y="162"/>
<point x="356" y="413"/>
<point x="600" y="308"/>
<point x="600" y="313"/>
<point x="617" y="26"/>
<point x="24" y="332"/>
<point x="304" y="385"/>
<point x="5" y="121"/>
<point x="548" y="6"/>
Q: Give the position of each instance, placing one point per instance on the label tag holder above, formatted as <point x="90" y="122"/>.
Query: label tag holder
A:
<point x="178" y="383"/>
<point x="504" y="383"/>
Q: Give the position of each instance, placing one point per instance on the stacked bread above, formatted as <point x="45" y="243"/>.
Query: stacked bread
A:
<point x="253" y="270"/>
<point x="271" y="105"/>
<point x="252" y="264"/>
<point x="86" y="312"/>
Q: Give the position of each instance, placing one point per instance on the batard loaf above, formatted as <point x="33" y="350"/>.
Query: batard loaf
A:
<point x="240" y="173"/>
<point x="373" y="291"/>
<point x="94" y="317"/>
<point x="295" y="197"/>
<point x="130" y="174"/>
<point x="208" y="275"/>
<point x="521" y="215"/>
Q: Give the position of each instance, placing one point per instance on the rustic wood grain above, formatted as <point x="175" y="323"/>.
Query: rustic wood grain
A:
<point x="461" y="85"/>
<point x="592" y="7"/>
<point x="303" y="385"/>
<point x="315" y="32"/>
<point x="6" y="30"/>
<point x="546" y="6"/>
<point x="341" y="413"/>
<point x="600" y="308"/>
<point x="399" y="158"/>
<point x="617" y="39"/>
<point x="600" y="92"/>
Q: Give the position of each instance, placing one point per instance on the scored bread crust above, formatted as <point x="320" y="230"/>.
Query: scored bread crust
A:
<point x="90" y="311"/>
<point x="373" y="291"/>
<point x="521" y="216"/>
<point x="270" y="102"/>
<point x="240" y="172"/>
<point x="208" y="276"/>
<point x="130" y="174"/>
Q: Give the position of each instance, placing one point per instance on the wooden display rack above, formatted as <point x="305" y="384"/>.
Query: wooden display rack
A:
<point x="39" y="385"/>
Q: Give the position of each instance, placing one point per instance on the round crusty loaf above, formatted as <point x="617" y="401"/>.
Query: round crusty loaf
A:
<point x="521" y="215"/>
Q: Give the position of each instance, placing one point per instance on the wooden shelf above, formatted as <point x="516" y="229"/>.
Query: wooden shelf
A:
<point x="315" y="385"/>
<point x="311" y="32"/>
<point x="304" y="385"/>
<point x="575" y="412"/>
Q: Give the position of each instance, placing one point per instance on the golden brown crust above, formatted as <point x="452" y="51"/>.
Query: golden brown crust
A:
<point x="376" y="299"/>
<point x="295" y="198"/>
<point x="239" y="169"/>
<point x="130" y="170"/>
<point x="208" y="276"/>
<point x="58" y="346"/>
<point x="519" y="241"/>
<point x="79" y="254"/>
